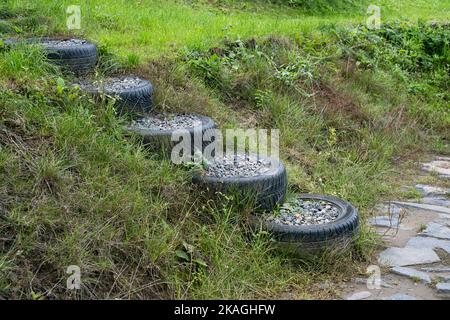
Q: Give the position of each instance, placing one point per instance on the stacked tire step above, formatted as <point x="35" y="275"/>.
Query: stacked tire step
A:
<point x="269" y="189"/>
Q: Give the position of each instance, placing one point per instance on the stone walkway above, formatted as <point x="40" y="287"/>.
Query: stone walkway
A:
<point x="416" y="263"/>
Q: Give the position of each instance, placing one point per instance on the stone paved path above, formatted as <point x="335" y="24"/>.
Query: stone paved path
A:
<point x="416" y="263"/>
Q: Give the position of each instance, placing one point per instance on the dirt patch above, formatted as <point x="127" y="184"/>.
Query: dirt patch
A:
<point x="340" y="103"/>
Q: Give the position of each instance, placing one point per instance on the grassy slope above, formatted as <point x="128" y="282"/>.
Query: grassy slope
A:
<point x="150" y="27"/>
<point x="77" y="190"/>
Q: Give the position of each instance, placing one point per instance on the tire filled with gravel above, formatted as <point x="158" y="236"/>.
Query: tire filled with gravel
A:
<point x="133" y="94"/>
<point x="310" y="223"/>
<point x="264" y="179"/>
<point x="157" y="129"/>
<point x="78" y="56"/>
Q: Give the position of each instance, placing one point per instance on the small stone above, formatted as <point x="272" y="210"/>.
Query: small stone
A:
<point x="360" y="295"/>
<point x="239" y="165"/>
<point x="400" y="296"/>
<point x="167" y="121"/>
<point x="309" y="212"/>
<point x="62" y="43"/>
<point x="398" y="257"/>
<point x="443" y="287"/>
<point x="386" y="285"/>
<point x="412" y="273"/>
<point x="111" y="85"/>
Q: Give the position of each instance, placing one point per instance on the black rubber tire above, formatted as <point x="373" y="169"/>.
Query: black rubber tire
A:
<point x="78" y="59"/>
<point x="330" y="236"/>
<point x="162" y="139"/>
<point x="134" y="100"/>
<point x="269" y="190"/>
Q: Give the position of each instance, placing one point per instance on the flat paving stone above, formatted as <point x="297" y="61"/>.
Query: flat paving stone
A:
<point x="441" y="202"/>
<point x="423" y="206"/>
<point x="440" y="166"/>
<point x="429" y="242"/>
<point x="360" y="295"/>
<point x="444" y="216"/>
<point x="412" y="256"/>
<point x="443" y="287"/>
<point x="445" y="278"/>
<point x="400" y="296"/>
<point x="389" y="219"/>
<point x="428" y="191"/>
<point x="385" y="221"/>
<point x="388" y="209"/>
<point x="412" y="273"/>
<point x="436" y="269"/>
<point x="399" y="257"/>
<point x="437" y="229"/>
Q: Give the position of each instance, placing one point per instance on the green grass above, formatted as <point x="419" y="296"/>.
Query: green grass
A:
<point x="76" y="189"/>
<point x="149" y="28"/>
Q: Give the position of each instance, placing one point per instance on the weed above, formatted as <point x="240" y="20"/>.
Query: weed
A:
<point x="412" y="193"/>
<point x="422" y="228"/>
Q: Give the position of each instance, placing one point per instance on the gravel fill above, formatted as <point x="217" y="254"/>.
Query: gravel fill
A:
<point x="305" y="212"/>
<point x="63" y="43"/>
<point x="237" y="166"/>
<point x="167" y="122"/>
<point x="112" y="84"/>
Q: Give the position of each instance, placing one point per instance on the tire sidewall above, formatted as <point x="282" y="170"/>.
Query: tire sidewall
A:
<point x="347" y="224"/>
